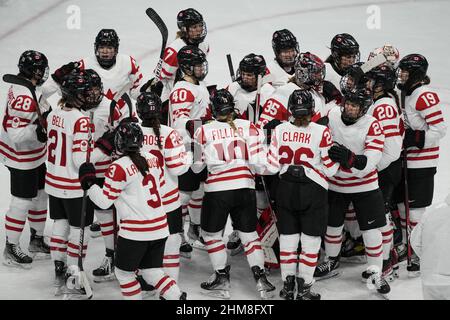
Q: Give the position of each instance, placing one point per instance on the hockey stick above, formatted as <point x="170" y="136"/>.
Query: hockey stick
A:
<point x="230" y="67"/>
<point x="151" y="13"/>
<point x="83" y="278"/>
<point x="14" y="79"/>
<point x="258" y="98"/>
<point x="406" y="190"/>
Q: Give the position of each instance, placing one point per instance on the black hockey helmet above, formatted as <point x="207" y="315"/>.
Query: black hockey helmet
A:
<point x="222" y="103"/>
<point x="190" y="57"/>
<point x="383" y="76"/>
<point x="129" y="137"/>
<point x="416" y="65"/>
<point x="106" y="37"/>
<point x="359" y="96"/>
<point x="96" y="93"/>
<point x="34" y="65"/>
<point x="251" y="63"/>
<point x="76" y="89"/>
<point x="347" y="82"/>
<point x="284" y="39"/>
<point x="301" y="103"/>
<point x="187" y="18"/>
<point x="309" y="70"/>
<point x="148" y="106"/>
<point x="344" y="44"/>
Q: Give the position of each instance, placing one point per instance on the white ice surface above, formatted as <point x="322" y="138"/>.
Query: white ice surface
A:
<point x="236" y="27"/>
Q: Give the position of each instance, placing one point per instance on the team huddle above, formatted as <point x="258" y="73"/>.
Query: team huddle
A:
<point x="316" y="162"/>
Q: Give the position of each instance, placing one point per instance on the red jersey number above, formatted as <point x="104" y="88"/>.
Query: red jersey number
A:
<point x="155" y="200"/>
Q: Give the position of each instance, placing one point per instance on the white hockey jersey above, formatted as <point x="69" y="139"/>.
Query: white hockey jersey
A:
<point x="19" y="147"/>
<point x="276" y="106"/>
<point x="276" y="75"/>
<point x="188" y="101"/>
<point x="386" y="112"/>
<point x="231" y="156"/>
<point x="137" y="199"/>
<point x="170" y="64"/>
<point x="332" y="76"/>
<point x="305" y="146"/>
<point x="365" y="137"/>
<point x="173" y="159"/>
<point x="67" y="144"/>
<point x="423" y="111"/>
<point x="114" y="79"/>
<point x="243" y="99"/>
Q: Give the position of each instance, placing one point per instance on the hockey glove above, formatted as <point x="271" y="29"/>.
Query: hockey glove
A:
<point x="63" y="71"/>
<point x="330" y="92"/>
<point x="323" y="121"/>
<point x="106" y="142"/>
<point x="347" y="159"/>
<point x="192" y="125"/>
<point x="86" y="174"/>
<point x="414" y="138"/>
<point x="41" y="133"/>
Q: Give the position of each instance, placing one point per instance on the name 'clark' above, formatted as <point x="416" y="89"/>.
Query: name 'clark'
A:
<point x="297" y="137"/>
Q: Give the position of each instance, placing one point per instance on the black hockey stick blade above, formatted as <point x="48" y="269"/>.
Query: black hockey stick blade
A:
<point x="14" y="79"/>
<point x="230" y="67"/>
<point x="151" y="13"/>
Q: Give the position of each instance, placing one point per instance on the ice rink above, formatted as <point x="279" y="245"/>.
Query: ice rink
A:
<point x="235" y="27"/>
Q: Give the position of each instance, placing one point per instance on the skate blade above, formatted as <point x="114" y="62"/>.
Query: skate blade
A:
<point x="413" y="274"/>
<point x="198" y="245"/>
<point x="11" y="264"/>
<point x="150" y="295"/>
<point x="186" y="255"/>
<point x="100" y="279"/>
<point x="332" y="274"/>
<point x="96" y="234"/>
<point x="222" y="294"/>
<point x="389" y="279"/>
<point x="75" y="296"/>
<point x="39" y="256"/>
<point x="354" y="259"/>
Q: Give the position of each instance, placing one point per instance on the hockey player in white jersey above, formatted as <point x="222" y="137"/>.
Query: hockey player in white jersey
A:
<point x="133" y="183"/>
<point x="69" y="138"/>
<point x="299" y="153"/>
<point x="286" y="49"/>
<point x="192" y="31"/>
<point x="189" y="109"/>
<point x="233" y="152"/>
<point x="166" y="144"/>
<point x="344" y="53"/>
<point x="309" y="74"/>
<point x="23" y="151"/>
<point x="425" y="126"/>
<point x="359" y="142"/>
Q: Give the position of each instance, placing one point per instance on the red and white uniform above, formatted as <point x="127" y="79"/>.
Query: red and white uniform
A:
<point x="19" y="147"/>
<point x="276" y="75"/>
<point x="386" y="112"/>
<point x="365" y="137"/>
<point x="188" y="101"/>
<point x="67" y="144"/>
<point x="232" y="157"/>
<point x="173" y="158"/>
<point x="331" y="74"/>
<point x="423" y="111"/>
<point x="137" y="199"/>
<point x="276" y="106"/>
<point x="170" y="64"/>
<point x="114" y="79"/>
<point x="306" y="146"/>
<point x="243" y="99"/>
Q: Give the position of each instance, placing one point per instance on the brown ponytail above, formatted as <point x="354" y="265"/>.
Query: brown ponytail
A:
<point x="140" y="162"/>
<point x="302" y="121"/>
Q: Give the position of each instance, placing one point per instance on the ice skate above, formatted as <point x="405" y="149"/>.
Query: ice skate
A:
<point x="353" y="250"/>
<point x="185" y="248"/>
<point x="195" y="239"/>
<point x="304" y="291"/>
<point x="287" y="293"/>
<point x="13" y="256"/>
<point x="234" y="243"/>
<point x="218" y="285"/>
<point x="265" y="288"/>
<point x="380" y="283"/>
<point x="95" y="229"/>
<point x="148" y="291"/>
<point x="387" y="273"/>
<point x="414" y="268"/>
<point x="327" y="269"/>
<point x="77" y="286"/>
<point x="105" y="272"/>
<point x="60" y="279"/>
<point x="38" y="249"/>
